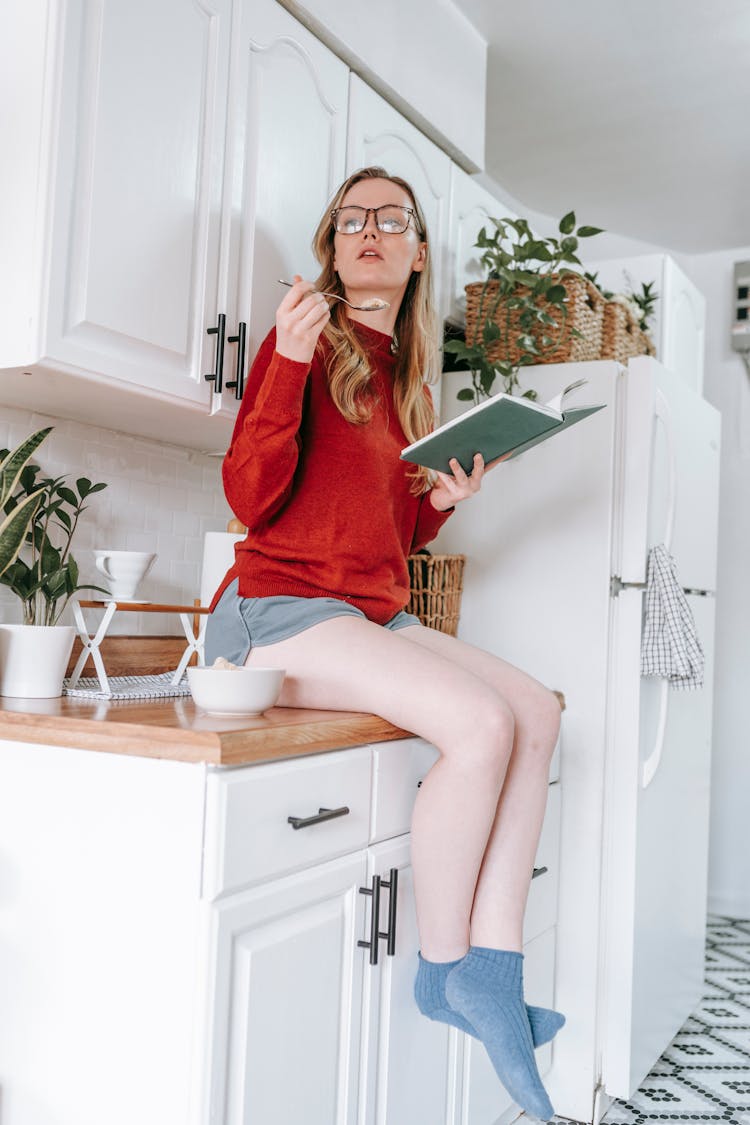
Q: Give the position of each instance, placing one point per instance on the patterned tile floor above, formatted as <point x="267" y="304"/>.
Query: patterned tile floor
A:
<point x="704" y="1075"/>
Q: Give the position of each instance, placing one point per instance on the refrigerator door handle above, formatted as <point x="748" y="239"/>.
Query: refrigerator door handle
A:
<point x="661" y="411"/>
<point x="651" y="763"/>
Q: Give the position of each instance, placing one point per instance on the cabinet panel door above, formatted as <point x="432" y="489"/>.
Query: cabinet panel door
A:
<point x="137" y="192"/>
<point x="408" y="1061"/>
<point x="287" y="132"/>
<point x="471" y="208"/>
<point x="287" y="986"/>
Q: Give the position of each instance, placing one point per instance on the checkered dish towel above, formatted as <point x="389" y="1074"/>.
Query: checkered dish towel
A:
<point x="669" y="644"/>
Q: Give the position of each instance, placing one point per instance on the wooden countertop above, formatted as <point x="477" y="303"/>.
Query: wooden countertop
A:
<point x="176" y="729"/>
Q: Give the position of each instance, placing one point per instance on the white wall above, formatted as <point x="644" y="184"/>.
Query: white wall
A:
<point x="424" y="57"/>
<point x="159" y="498"/>
<point x="727" y="386"/>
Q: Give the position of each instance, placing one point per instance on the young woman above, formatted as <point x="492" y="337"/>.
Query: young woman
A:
<point x="320" y="584"/>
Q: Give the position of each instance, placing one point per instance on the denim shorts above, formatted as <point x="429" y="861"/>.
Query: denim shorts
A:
<point x="239" y="624"/>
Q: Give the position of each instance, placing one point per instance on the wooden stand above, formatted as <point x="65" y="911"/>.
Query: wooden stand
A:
<point x="190" y="618"/>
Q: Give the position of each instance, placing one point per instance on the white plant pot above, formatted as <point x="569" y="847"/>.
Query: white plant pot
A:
<point x="33" y="659"/>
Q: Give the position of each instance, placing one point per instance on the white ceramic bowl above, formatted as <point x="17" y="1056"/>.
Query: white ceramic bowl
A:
<point x="235" y="691"/>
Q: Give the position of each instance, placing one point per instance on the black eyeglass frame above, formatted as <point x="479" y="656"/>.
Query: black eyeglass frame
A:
<point x="411" y="214"/>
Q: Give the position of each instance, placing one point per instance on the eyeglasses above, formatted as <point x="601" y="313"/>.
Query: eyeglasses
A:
<point x="390" y="218"/>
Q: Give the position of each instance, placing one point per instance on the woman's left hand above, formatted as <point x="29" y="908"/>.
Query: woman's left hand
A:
<point x="457" y="485"/>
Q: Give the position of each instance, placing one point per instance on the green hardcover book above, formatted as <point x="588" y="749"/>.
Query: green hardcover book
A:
<point x="503" y="426"/>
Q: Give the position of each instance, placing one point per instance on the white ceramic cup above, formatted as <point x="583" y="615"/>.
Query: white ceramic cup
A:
<point x="124" y="570"/>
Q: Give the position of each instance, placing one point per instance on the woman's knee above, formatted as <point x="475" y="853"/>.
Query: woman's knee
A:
<point x="485" y="736"/>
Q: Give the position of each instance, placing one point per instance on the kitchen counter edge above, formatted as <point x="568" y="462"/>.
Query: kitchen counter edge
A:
<point x="175" y="729"/>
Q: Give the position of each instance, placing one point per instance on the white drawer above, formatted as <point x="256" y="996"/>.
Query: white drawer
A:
<point x="541" y="908"/>
<point x="248" y="835"/>
<point x="399" y="768"/>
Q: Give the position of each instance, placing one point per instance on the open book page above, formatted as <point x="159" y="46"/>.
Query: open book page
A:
<point x="556" y="403"/>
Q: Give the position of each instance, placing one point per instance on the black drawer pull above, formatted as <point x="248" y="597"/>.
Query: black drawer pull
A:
<point x="539" y="871"/>
<point x="321" y="815"/>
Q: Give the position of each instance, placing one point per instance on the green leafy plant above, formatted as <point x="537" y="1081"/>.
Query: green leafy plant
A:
<point x="41" y="516"/>
<point x="645" y="301"/>
<point x="528" y="271"/>
<point x="15" y="524"/>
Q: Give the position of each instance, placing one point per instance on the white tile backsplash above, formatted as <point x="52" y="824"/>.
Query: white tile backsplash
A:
<point x="158" y="498"/>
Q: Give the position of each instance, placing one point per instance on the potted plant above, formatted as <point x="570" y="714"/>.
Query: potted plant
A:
<point x="39" y="519"/>
<point x="531" y="308"/>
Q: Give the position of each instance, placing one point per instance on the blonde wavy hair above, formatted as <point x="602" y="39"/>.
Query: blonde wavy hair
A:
<point x="416" y="334"/>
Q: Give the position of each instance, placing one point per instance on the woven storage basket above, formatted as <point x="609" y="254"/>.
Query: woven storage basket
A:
<point x="436" y="582"/>
<point x="585" y="306"/>
<point x="621" y="337"/>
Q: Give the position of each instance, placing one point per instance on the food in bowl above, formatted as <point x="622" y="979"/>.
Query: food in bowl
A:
<point x="228" y="689"/>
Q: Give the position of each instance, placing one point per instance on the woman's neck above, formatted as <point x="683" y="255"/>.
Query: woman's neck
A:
<point x="382" y="320"/>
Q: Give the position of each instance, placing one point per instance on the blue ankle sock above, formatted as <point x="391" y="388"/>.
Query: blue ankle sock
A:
<point x="429" y="993"/>
<point x="486" y="988"/>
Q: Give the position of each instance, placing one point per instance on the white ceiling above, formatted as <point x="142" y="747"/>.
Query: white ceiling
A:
<point x="636" y="113"/>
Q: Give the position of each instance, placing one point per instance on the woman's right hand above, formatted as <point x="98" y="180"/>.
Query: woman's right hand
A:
<point x="300" y="318"/>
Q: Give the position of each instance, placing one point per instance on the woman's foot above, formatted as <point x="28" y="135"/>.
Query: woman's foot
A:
<point x="486" y="989"/>
<point x="429" y="993"/>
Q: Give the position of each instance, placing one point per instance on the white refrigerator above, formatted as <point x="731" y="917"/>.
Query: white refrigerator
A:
<point x="557" y="544"/>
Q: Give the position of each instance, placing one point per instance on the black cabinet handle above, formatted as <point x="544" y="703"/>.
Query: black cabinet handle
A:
<point x="375" y="932"/>
<point x="538" y="871"/>
<point x="238" y="383"/>
<point x="318" y="818"/>
<point x="372" y="944"/>
<point x="390" y="934"/>
<point x="217" y="374"/>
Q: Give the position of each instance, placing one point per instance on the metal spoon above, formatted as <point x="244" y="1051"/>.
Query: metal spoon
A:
<point x="375" y="305"/>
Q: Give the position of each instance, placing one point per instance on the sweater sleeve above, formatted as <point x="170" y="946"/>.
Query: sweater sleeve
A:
<point x="429" y="522"/>
<point x="260" y="463"/>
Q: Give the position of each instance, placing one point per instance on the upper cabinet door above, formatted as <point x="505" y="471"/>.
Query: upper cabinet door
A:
<point x="683" y="329"/>
<point x="135" y="196"/>
<point x="379" y="135"/>
<point x="287" y="131"/>
<point x="471" y="208"/>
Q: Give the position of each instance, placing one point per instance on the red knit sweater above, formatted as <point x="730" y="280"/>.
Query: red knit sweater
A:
<point x="326" y="502"/>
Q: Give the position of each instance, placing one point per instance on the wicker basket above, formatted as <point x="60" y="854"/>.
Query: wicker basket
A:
<point x="436" y="583"/>
<point x="621" y="337"/>
<point x="585" y="306"/>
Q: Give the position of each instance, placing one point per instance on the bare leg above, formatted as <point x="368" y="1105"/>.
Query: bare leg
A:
<point x="502" y="888"/>
<point x="350" y="664"/>
<point x="346" y="663"/>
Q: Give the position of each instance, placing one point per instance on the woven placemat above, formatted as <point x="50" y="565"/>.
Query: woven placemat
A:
<point x="129" y="687"/>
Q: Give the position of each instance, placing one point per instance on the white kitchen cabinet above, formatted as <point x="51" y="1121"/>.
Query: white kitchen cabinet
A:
<point x="679" y="323"/>
<point x="471" y="208"/>
<point x="207" y="960"/>
<point x="109" y="278"/>
<point x="288" y="998"/>
<point x="286" y="157"/>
